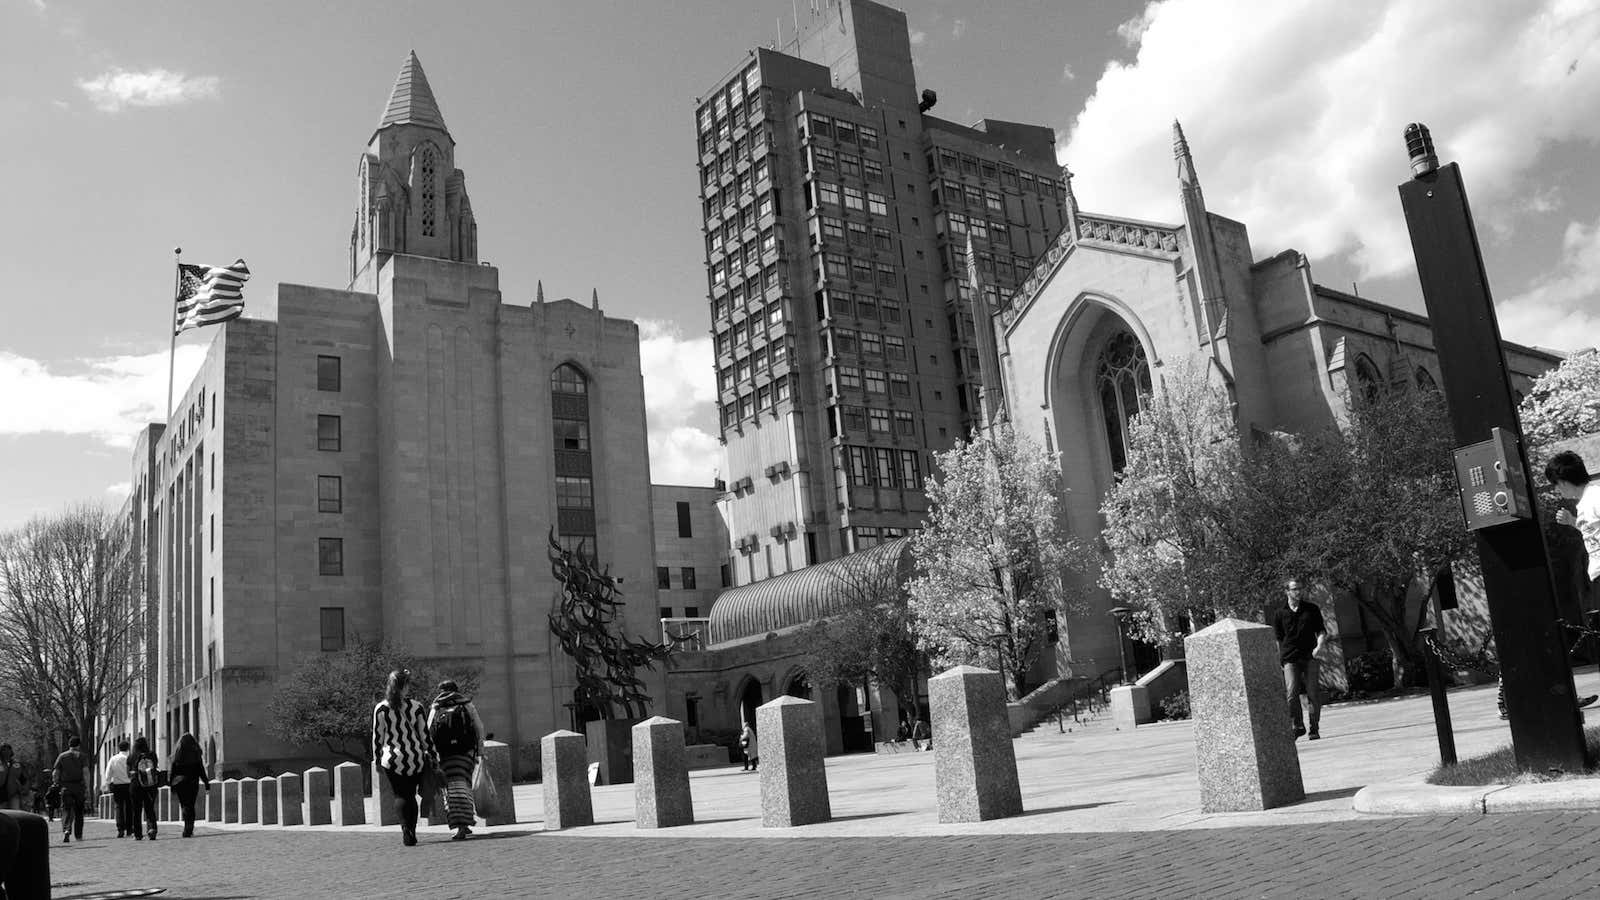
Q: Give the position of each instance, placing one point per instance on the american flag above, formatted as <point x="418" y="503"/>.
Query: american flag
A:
<point x="208" y="295"/>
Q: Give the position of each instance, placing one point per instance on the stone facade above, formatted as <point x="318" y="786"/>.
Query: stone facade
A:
<point x="385" y="460"/>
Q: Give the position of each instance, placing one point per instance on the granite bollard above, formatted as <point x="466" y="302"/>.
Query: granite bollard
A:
<point x="794" y="778"/>
<point x="1244" y="748"/>
<point x="289" y="799"/>
<point x="318" y="794"/>
<point x="661" y="796"/>
<point x="164" y="804"/>
<point x="249" y="808"/>
<point x="230" y="801"/>
<point x="267" y="801"/>
<point x="383" y="799"/>
<point x="214" y="802"/>
<point x="349" y="800"/>
<point x="564" y="760"/>
<point x="497" y="757"/>
<point x="974" y="764"/>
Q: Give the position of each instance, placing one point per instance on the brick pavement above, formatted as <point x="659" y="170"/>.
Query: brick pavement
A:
<point x="1545" y="855"/>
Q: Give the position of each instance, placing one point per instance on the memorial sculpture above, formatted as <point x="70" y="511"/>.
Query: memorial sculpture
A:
<point x="586" y="625"/>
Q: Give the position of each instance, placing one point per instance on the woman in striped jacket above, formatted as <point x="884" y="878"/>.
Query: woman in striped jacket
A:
<point x="401" y="747"/>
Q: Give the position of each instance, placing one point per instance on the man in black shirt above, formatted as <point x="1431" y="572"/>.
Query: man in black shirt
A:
<point x="1301" y="637"/>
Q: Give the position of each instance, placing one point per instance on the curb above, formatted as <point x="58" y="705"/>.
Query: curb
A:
<point x="1414" y="799"/>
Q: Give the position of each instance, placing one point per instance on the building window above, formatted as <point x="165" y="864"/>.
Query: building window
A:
<point x="879" y="419"/>
<point x="666" y="612"/>
<point x="1426" y="382"/>
<point x="330" y="493"/>
<point x="328" y="433"/>
<point x="569" y="403"/>
<point x="687" y="574"/>
<point x="726" y="571"/>
<point x="685" y="528"/>
<point x="571" y="434"/>
<point x="329" y="377"/>
<point x="566" y="379"/>
<point x="663" y="578"/>
<point x="574" y="492"/>
<point x="426" y="171"/>
<point x="330" y="556"/>
<point x="691" y="612"/>
<point x="1368" y="379"/>
<point x="1123" y="381"/>
<point x="332" y="629"/>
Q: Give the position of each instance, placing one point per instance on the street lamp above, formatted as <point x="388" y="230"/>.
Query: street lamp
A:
<point x="1000" y="657"/>
<point x="1121" y="614"/>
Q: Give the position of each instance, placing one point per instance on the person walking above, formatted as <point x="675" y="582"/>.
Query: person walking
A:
<point x="186" y="775"/>
<point x="752" y="747"/>
<point x="66" y="776"/>
<point x="1567" y="473"/>
<point x="144" y="774"/>
<point x="13" y="780"/>
<point x="401" y="746"/>
<point x="120" y="781"/>
<point x="1302" y="636"/>
<point x="457" y="736"/>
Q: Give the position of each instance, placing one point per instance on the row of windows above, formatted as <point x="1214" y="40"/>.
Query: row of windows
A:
<point x="840" y="130"/>
<point x="747" y="258"/>
<point x="847" y="164"/>
<point x="857" y="419"/>
<point x="738" y="293"/>
<point x="870" y="536"/>
<point x="746" y="330"/>
<point x="762" y="361"/>
<point x="826" y="193"/>
<point x="728" y="236"/>
<point x="728" y="161"/>
<point x="733" y="205"/>
<point x="829" y="230"/>
<point x="953" y="262"/>
<point x="841" y="341"/>
<point x="763" y="398"/>
<point x="956" y="194"/>
<point x="832" y="264"/>
<point x="689" y="612"/>
<point x="952" y="163"/>
<point x="873" y="381"/>
<point x="961" y="225"/>
<point x="861" y="306"/>
<point x="732" y="103"/>
<point x="883" y="467"/>
<point x="686" y="578"/>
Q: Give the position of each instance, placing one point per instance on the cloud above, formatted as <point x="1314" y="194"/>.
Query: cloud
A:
<point x="1561" y="309"/>
<point x="1294" y="112"/>
<point x="918" y="38"/>
<point x="107" y="399"/>
<point x="1067" y="74"/>
<point x="118" y="89"/>
<point x="958" y="29"/>
<point x="680" y="390"/>
<point x="119" y="490"/>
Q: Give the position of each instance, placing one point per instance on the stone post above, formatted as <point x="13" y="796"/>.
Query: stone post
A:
<point x="214" y="802"/>
<point x="794" y="781"/>
<point x="249" y="802"/>
<point x="318" y="790"/>
<point x="1244" y="745"/>
<point x="230" y="801"/>
<point x="383" y="793"/>
<point x="497" y="757"/>
<point x="164" y="804"/>
<point x="267" y="802"/>
<point x="974" y="764"/>
<point x="660" y="775"/>
<point x="289" y="799"/>
<point x="349" y="800"/>
<point x="564" y="761"/>
<point x="1130" y="706"/>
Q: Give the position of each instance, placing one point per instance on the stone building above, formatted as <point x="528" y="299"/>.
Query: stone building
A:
<point x="692" y="565"/>
<point x="386" y="460"/>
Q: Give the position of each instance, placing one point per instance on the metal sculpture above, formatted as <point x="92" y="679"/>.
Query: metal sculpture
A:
<point x="586" y="626"/>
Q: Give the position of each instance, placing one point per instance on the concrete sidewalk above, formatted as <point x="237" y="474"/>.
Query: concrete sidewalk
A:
<point x="1097" y="779"/>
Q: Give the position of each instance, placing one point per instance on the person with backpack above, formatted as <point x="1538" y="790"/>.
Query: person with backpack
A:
<point x="67" y="780"/>
<point x="402" y="749"/>
<point x="144" y="775"/>
<point x="457" y="735"/>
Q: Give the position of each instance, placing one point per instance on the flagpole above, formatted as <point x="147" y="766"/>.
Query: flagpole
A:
<point x="172" y="326"/>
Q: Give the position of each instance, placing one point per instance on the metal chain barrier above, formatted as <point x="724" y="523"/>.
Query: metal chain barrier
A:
<point x="1449" y="657"/>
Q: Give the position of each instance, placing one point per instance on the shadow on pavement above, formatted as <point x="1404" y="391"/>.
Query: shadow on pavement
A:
<point x="1315" y="796"/>
<point x="1055" y="809"/>
<point x="857" y="816"/>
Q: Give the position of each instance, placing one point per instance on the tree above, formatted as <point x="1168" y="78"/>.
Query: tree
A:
<point x="870" y="634"/>
<point x="69" y="619"/>
<point x="1564" y="403"/>
<point x="993" y="556"/>
<point x="327" y="700"/>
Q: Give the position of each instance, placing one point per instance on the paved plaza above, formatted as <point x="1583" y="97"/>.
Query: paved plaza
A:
<point x="1108" y="814"/>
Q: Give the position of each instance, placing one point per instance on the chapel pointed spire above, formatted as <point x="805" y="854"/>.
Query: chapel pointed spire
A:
<point x="412" y="101"/>
<point x="1180" y="150"/>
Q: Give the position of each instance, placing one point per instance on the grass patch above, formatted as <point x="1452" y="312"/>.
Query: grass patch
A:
<point x="1500" y="767"/>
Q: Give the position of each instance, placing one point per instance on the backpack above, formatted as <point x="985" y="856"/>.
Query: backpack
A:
<point x="147" y="774"/>
<point x="453" y="731"/>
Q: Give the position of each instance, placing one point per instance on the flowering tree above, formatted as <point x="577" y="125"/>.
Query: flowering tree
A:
<point x="1564" y="403"/>
<point x="993" y="556"/>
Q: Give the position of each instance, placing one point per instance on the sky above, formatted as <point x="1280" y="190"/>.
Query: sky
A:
<point x="232" y="129"/>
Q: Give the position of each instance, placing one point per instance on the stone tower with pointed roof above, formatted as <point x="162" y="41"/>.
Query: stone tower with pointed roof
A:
<point x="410" y="197"/>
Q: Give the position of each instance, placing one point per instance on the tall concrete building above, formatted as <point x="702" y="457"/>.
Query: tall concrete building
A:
<point x="838" y="212"/>
<point x="385" y="460"/>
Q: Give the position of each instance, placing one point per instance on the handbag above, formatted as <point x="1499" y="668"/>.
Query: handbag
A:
<point x="484" y="795"/>
<point x="431" y="788"/>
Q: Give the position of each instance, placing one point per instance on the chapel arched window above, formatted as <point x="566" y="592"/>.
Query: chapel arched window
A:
<point x="574" y="488"/>
<point x="427" y="166"/>
<point x="1368" y="379"/>
<point x="1122" y="379"/>
<point x="1425" y="381"/>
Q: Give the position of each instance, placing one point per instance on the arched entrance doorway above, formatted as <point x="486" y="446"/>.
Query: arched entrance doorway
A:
<point x="750" y="698"/>
<point x="855" y="724"/>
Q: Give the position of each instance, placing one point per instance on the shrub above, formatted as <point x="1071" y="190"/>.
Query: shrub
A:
<point x="1175" y="706"/>
<point x="1371" y="672"/>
